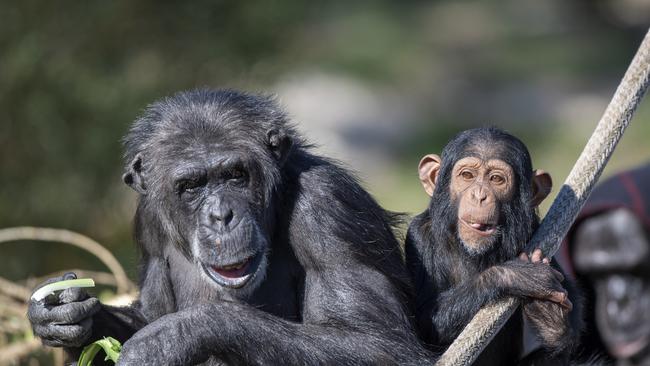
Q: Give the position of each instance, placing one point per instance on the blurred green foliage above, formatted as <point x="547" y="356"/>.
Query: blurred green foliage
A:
<point x="73" y="75"/>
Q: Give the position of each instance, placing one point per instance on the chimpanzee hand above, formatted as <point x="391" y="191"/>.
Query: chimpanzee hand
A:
<point x="531" y="279"/>
<point x="63" y="319"/>
<point x="549" y="318"/>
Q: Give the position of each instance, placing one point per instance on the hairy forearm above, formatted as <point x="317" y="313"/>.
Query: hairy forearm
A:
<point x="117" y="322"/>
<point x="456" y="306"/>
<point x="193" y="335"/>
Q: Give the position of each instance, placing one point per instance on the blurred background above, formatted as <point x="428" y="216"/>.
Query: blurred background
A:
<point x="376" y="84"/>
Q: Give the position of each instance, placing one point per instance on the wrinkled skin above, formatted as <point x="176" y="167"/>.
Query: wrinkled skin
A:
<point x="253" y="249"/>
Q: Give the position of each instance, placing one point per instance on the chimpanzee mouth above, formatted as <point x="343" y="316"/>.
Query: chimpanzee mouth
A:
<point x="234" y="275"/>
<point x="485" y="229"/>
<point x="629" y="348"/>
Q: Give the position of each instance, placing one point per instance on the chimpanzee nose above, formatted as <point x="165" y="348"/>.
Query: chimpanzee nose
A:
<point x="479" y="194"/>
<point x="221" y="215"/>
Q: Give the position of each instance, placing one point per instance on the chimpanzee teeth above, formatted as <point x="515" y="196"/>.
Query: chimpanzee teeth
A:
<point x="233" y="266"/>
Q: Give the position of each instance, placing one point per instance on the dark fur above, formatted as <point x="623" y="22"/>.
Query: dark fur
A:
<point x="452" y="284"/>
<point x="335" y="290"/>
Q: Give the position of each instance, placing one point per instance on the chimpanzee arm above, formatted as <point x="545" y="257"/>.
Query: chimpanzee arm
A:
<point x="442" y="308"/>
<point x="513" y="278"/>
<point x="445" y="308"/>
<point x="456" y="306"/>
<point x="252" y="336"/>
<point x="353" y="309"/>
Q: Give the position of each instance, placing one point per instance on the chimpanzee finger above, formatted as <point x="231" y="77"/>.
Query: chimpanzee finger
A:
<point x="72" y="295"/>
<point x="63" y="314"/>
<point x="69" y="276"/>
<point x="546" y="261"/>
<point x="561" y="298"/>
<point x="65" y="335"/>
<point x="537" y="255"/>
<point x="523" y="256"/>
<point x="558" y="275"/>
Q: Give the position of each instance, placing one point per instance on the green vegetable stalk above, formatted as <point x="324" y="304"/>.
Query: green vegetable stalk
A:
<point x="111" y="347"/>
<point x="46" y="290"/>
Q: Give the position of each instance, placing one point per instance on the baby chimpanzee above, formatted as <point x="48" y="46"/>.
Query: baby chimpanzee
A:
<point x="466" y="249"/>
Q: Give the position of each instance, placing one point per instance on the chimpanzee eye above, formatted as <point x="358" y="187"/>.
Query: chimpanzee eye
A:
<point x="497" y="179"/>
<point x="467" y="175"/>
<point x="235" y="174"/>
<point x="192" y="184"/>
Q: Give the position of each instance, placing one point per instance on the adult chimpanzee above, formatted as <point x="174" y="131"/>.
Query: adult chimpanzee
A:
<point x="254" y="250"/>
<point x="463" y="250"/>
<point x="610" y="251"/>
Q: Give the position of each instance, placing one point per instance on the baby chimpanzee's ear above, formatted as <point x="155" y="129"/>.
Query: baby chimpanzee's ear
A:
<point x="133" y="175"/>
<point x="542" y="185"/>
<point x="428" y="170"/>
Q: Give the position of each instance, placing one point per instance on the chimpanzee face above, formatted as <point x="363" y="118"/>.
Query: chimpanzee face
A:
<point x="215" y="198"/>
<point x="224" y="216"/>
<point x="483" y="192"/>
<point x="611" y="251"/>
<point x="622" y="312"/>
<point x="478" y="188"/>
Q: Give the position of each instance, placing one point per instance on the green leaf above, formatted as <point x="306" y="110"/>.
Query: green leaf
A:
<point x="111" y="346"/>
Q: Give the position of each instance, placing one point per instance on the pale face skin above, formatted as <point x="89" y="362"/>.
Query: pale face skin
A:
<point x="479" y="186"/>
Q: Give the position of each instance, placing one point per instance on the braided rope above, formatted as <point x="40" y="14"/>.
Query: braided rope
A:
<point x="566" y="206"/>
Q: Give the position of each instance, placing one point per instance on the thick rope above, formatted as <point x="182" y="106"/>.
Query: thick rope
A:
<point x="566" y="206"/>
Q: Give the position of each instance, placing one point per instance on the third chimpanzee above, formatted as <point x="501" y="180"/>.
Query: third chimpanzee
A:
<point x="609" y="248"/>
<point x="466" y="248"/>
<point x="254" y="250"/>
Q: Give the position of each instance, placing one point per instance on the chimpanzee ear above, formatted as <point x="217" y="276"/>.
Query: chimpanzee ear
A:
<point x="279" y="143"/>
<point x="133" y="177"/>
<point x="428" y="169"/>
<point x="542" y="185"/>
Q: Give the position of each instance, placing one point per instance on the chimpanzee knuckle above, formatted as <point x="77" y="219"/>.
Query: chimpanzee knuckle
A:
<point x="524" y="273"/>
<point x="55" y="342"/>
<point x="73" y="294"/>
<point x="79" y="334"/>
<point x="544" y="273"/>
<point x="64" y="335"/>
<point x="75" y="312"/>
<point x="37" y="312"/>
<point x="41" y="330"/>
<point x="558" y="275"/>
<point x="76" y="335"/>
<point x="548" y="284"/>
